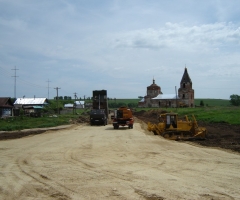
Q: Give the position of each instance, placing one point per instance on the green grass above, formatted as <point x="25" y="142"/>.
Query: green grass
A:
<point x="213" y="102"/>
<point x="217" y="114"/>
<point x="207" y="102"/>
<point x="20" y="123"/>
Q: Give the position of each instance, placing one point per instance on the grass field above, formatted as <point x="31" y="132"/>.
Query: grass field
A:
<point x="214" y="111"/>
<point x="207" y="102"/>
<point x="217" y="114"/>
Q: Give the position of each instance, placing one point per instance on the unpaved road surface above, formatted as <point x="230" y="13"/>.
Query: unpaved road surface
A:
<point x="98" y="162"/>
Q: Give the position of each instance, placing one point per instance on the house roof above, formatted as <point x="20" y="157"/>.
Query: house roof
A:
<point x="166" y="96"/>
<point x="31" y="101"/>
<point x="6" y="102"/>
<point x="68" y="105"/>
<point x="79" y="102"/>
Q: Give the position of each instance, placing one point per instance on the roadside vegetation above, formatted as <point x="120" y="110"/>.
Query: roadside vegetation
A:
<point x="210" y="111"/>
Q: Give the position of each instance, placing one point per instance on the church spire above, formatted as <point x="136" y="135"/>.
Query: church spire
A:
<point x="186" y="78"/>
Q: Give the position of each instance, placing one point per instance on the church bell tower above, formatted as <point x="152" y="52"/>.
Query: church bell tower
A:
<point x="185" y="92"/>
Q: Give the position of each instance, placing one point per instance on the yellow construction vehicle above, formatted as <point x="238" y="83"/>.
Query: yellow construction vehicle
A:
<point x="170" y="127"/>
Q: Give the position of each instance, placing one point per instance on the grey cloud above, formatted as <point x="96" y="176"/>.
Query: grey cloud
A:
<point x="177" y="36"/>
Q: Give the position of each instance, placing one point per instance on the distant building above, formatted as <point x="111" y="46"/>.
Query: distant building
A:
<point x="152" y="91"/>
<point x="165" y="100"/>
<point x="77" y="104"/>
<point x="31" y="106"/>
<point x="155" y="97"/>
<point x="69" y="105"/>
<point x="25" y="102"/>
<point x="6" y="107"/>
<point x="185" y="92"/>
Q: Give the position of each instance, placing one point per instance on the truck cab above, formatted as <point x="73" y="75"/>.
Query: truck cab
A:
<point x="98" y="117"/>
<point x="122" y="117"/>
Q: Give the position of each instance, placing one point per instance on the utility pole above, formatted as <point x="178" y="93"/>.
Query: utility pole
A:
<point x="176" y="96"/>
<point x="57" y="88"/>
<point x="74" y="105"/>
<point x="15" y="82"/>
<point x="48" y="87"/>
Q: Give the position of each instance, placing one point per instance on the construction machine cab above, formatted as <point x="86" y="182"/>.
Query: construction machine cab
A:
<point x="171" y="120"/>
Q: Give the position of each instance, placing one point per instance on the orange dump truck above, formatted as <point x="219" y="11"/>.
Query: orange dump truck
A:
<point x="122" y="117"/>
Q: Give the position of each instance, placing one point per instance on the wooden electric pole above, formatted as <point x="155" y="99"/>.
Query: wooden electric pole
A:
<point x="74" y="104"/>
<point x="57" y="88"/>
<point x="176" y="96"/>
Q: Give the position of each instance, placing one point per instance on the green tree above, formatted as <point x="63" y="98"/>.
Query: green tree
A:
<point x="201" y="103"/>
<point x="235" y="100"/>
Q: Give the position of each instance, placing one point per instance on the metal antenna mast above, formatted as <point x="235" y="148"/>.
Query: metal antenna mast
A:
<point x="15" y="81"/>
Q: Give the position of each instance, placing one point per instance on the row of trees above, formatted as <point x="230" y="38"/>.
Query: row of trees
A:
<point x="80" y="98"/>
<point x="117" y="105"/>
<point x="54" y="105"/>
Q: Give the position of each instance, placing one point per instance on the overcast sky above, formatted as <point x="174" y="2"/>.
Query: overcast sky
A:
<point x="120" y="46"/>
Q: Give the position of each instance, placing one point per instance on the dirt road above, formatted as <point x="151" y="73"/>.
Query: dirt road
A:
<point x="98" y="162"/>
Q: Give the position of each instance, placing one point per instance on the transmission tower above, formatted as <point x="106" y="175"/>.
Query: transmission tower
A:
<point x="15" y="81"/>
<point x="48" y="87"/>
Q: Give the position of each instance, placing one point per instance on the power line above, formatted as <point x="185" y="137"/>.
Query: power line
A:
<point x="21" y="80"/>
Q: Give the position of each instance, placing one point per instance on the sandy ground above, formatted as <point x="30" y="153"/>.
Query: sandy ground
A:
<point x="99" y="162"/>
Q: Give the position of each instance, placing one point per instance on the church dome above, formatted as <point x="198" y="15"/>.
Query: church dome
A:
<point x="153" y="86"/>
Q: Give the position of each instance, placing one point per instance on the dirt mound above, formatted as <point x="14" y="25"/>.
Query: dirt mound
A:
<point x="149" y="116"/>
<point x="80" y="119"/>
<point x="221" y="135"/>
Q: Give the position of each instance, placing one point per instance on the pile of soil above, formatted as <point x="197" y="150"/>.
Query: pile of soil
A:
<point x="80" y="119"/>
<point x="220" y="135"/>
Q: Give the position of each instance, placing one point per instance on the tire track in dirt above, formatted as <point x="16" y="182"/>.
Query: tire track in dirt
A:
<point x="52" y="188"/>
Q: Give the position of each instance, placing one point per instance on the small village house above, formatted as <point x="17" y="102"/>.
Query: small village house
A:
<point x="6" y="107"/>
<point x="31" y="105"/>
